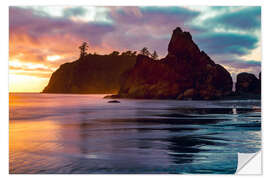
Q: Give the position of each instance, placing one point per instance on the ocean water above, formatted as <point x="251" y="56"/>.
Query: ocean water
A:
<point x="63" y="133"/>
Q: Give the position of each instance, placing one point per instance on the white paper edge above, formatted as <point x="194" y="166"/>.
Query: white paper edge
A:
<point x="249" y="163"/>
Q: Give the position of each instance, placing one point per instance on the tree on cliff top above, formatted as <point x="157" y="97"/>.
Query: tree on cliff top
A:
<point x="154" y="55"/>
<point x="114" y="53"/>
<point x="129" y="53"/>
<point x="145" y="51"/>
<point x="83" y="48"/>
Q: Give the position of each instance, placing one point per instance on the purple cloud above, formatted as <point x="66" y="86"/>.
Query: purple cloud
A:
<point x="26" y="21"/>
<point x="152" y="27"/>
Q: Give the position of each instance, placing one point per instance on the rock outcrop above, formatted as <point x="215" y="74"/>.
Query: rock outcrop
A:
<point x="92" y="74"/>
<point x="247" y="83"/>
<point x="185" y="73"/>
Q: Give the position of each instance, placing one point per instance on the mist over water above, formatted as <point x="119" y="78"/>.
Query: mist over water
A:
<point x="63" y="133"/>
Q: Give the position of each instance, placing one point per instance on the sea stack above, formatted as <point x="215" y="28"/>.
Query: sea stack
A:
<point x="248" y="85"/>
<point x="185" y="73"/>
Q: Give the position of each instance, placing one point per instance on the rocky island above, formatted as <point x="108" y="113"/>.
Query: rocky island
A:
<point x="186" y="73"/>
<point x="247" y="86"/>
<point x="92" y="74"/>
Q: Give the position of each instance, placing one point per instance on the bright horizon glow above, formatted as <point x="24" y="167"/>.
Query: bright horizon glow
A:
<point x="18" y="63"/>
<point x="24" y="83"/>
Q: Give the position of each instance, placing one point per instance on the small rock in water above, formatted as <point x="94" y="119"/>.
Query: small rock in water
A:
<point x="113" y="101"/>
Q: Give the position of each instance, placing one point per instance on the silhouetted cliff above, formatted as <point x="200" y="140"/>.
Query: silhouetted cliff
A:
<point x="185" y="73"/>
<point x="91" y="74"/>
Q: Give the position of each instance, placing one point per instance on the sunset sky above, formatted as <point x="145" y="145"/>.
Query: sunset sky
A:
<point x="42" y="38"/>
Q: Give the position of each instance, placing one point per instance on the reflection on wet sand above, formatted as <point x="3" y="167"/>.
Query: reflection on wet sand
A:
<point x="168" y="140"/>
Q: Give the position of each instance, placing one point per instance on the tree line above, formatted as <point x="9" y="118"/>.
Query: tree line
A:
<point x="144" y="51"/>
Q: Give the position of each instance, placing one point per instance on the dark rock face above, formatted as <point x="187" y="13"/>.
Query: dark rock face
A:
<point x="185" y="73"/>
<point x="92" y="74"/>
<point x="248" y="83"/>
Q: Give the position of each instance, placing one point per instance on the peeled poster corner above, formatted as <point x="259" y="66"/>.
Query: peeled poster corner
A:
<point x="249" y="164"/>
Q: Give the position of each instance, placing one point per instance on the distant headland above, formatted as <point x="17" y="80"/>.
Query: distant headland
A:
<point x="186" y="73"/>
